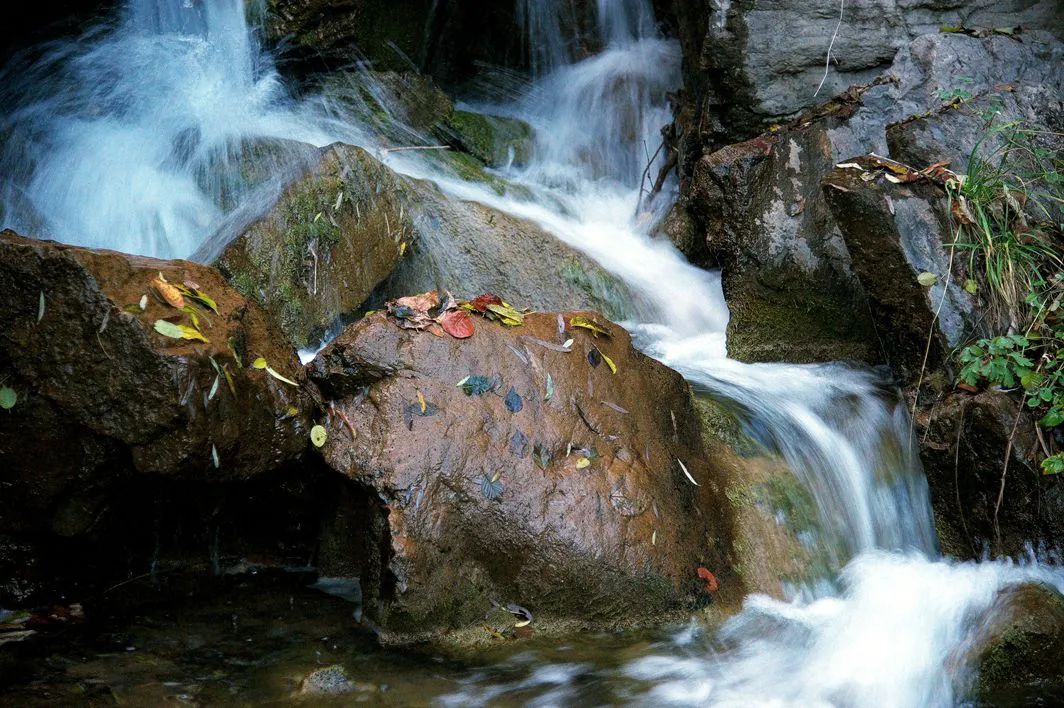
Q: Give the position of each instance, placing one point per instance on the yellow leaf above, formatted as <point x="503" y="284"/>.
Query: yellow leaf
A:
<point x="609" y="362"/>
<point x="318" y="435"/>
<point x="580" y="321"/>
<point x="582" y="463"/>
<point x="259" y="363"/>
<point x="174" y="331"/>
<point x="421" y="401"/>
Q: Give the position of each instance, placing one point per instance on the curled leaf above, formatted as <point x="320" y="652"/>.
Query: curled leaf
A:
<point x="712" y="585"/>
<point x="609" y="362"/>
<point x="168" y="292"/>
<point x="318" y="435"/>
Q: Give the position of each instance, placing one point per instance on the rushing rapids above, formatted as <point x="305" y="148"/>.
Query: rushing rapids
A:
<point x="126" y="140"/>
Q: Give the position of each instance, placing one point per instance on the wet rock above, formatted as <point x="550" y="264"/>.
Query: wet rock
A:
<point x="104" y="399"/>
<point x="743" y="73"/>
<point x="1018" y="644"/>
<point x="494" y="140"/>
<point x="574" y="504"/>
<point x="895" y="233"/>
<point x="332" y="236"/>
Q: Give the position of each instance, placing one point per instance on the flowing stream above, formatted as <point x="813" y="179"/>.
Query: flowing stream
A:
<point x="127" y="140"/>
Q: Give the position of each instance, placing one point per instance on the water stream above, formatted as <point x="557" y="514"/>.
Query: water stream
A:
<point x="125" y="140"/>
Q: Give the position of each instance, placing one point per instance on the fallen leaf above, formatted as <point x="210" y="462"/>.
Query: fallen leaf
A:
<point x="507" y="315"/>
<point x="518" y="444"/>
<point x="927" y="279"/>
<point x="583" y="463"/>
<point x="40" y="307"/>
<point x="491" y="487"/>
<point x="594" y="358"/>
<point x="214" y="387"/>
<point x="421" y="402"/>
<point x="214" y="457"/>
<point x="260" y="363"/>
<point x="609" y="362"/>
<point x="8" y="398"/>
<point x="541" y="455"/>
<point x="480" y="302"/>
<point x="568" y="344"/>
<point x="168" y="292"/>
<point x="588" y="324"/>
<point x="686" y="473"/>
<point x="513" y="401"/>
<point x="143" y="304"/>
<point x="423" y="302"/>
<point x="175" y="331"/>
<point x="318" y="435"/>
<point x="711" y="580"/>
<point x="849" y="166"/>
<point x="550" y="389"/>
<point x="457" y="323"/>
<point x="476" y="385"/>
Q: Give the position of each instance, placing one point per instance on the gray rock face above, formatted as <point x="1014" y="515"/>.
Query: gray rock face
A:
<point x="761" y="60"/>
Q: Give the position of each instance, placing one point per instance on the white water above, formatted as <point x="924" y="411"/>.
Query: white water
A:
<point x="120" y="141"/>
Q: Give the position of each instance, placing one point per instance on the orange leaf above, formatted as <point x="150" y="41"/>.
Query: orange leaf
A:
<point x="457" y="323"/>
<point x="168" y="292"/>
<point x="711" y="580"/>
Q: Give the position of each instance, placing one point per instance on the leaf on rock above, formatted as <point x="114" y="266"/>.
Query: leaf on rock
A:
<point x="143" y="304"/>
<point x="8" y="398"/>
<point x="506" y="314"/>
<point x="175" y="331"/>
<point x="550" y="389"/>
<point x="168" y="292"/>
<point x="477" y="385"/>
<point x="457" y="323"/>
<point x="318" y="435"/>
<point x="518" y="444"/>
<point x="260" y="363"/>
<point x="40" y="307"/>
<point x="971" y="287"/>
<point x="421" y="402"/>
<point x="583" y="463"/>
<point x="712" y="585"/>
<point x="686" y="473"/>
<point x="491" y="487"/>
<point x="609" y="362"/>
<point x="588" y="324"/>
<point x="423" y="302"/>
<point x="927" y="279"/>
<point x="214" y="457"/>
<point x="513" y="401"/>
<point x="594" y="358"/>
<point x="481" y="302"/>
<point x="542" y="455"/>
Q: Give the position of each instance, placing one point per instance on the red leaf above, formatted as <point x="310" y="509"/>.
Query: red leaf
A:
<point x="457" y="323"/>
<point x="711" y="580"/>
<point x="480" y="302"/>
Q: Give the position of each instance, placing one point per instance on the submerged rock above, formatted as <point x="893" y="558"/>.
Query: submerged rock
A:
<point x="547" y="480"/>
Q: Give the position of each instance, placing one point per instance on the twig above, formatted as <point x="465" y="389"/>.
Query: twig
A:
<point x="416" y="147"/>
<point x="1005" y="471"/>
<point x="827" y="60"/>
<point x="646" y="171"/>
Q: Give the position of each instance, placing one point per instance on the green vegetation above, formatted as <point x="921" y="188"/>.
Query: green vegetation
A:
<point x="1008" y="213"/>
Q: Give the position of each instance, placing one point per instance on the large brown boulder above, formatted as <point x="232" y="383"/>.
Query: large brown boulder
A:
<point x="103" y="398"/>
<point x="579" y="493"/>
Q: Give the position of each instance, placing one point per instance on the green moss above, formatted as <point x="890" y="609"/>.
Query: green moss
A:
<point x="491" y="139"/>
<point x="720" y="424"/>
<point x="784" y="494"/>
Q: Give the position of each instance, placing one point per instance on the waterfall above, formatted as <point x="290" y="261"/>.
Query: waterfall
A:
<point x="132" y="139"/>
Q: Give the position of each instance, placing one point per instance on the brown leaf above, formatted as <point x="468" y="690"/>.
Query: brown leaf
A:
<point x="711" y="580"/>
<point x="168" y="292"/>
<point x="422" y="303"/>
<point x="480" y="302"/>
<point x="456" y="323"/>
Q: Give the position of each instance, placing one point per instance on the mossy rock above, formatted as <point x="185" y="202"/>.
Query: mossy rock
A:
<point x="493" y="140"/>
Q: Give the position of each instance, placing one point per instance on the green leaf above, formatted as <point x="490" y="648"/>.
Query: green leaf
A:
<point x="1052" y="419"/>
<point x="8" y="398"/>
<point x="971" y="287"/>
<point x="259" y="363"/>
<point x="927" y="279"/>
<point x="318" y="435"/>
<point x="507" y="315"/>
<point x="174" y="331"/>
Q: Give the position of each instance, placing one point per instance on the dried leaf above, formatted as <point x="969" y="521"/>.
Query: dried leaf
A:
<point x="481" y="302"/>
<point x="927" y="279"/>
<point x="849" y="166"/>
<point x="143" y="304"/>
<point x="318" y="435"/>
<point x="594" y="327"/>
<point x="549" y="345"/>
<point x="711" y="580"/>
<point x="423" y="302"/>
<point x="686" y="473"/>
<point x="513" y="401"/>
<point x="8" y="398"/>
<point x="518" y="444"/>
<point x="175" y="331"/>
<point x="457" y="323"/>
<point x="168" y="292"/>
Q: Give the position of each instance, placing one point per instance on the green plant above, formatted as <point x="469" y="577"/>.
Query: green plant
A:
<point x="999" y="361"/>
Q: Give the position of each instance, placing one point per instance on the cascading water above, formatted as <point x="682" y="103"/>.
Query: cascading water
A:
<point x="132" y="139"/>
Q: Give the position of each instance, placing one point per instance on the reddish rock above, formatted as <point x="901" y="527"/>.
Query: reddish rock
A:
<point x="575" y="505"/>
